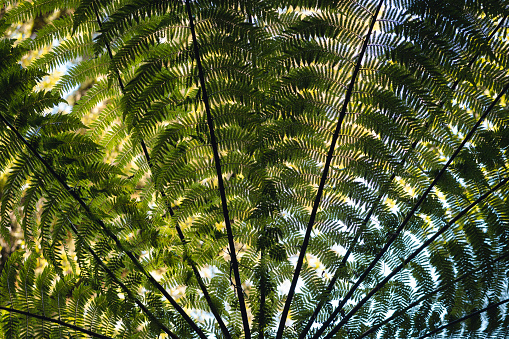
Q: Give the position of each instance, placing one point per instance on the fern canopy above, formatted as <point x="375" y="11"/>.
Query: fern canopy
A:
<point x="246" y="169"/>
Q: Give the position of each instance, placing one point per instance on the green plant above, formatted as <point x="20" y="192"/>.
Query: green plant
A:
<point x="338" y="165"/>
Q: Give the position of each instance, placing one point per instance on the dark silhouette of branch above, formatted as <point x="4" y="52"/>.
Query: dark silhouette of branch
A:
<point x="316" y="203"/>
<point x="217" y="162"/>
<point x="190" y="261"/>
<point x="424" y="297"/>
<point x="381" y="284"/>
<point x="55" y="321"/>
<point x="106" y="230"/>
<point x="468" y="316"/>
<point x="330" y="287"/>
<point x="409" y="215"/>
<point x="263" y="287"/>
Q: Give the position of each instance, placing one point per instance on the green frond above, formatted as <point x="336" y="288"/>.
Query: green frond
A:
<point x="83" y="72"/>
<point x="26" y="11"/>
<point x="68" y="50"/>
<point x="59" y="29"/>
<point x="293" y="169"/>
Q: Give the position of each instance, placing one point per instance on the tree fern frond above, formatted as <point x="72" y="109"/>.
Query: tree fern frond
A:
<point x="406" y="261"/>
<point x="110" y="234"/>
<point x="29" y="10"/>
<point x="58" y="29"/>
<point x="412" y="211"/>
<point x="232" y="167"/>
<point x="122" y="20"/>
<point x="87" y="70"/>
<point x="70" y="49"/>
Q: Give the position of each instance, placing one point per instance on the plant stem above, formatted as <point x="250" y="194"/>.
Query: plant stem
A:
<point x="222" y="192"/>
<point x="323" y="179"/>
<point x="490" y="306"/>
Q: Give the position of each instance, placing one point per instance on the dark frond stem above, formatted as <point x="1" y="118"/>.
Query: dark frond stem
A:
<point x="330" y="287"/>
<point x="196" y="272"/>
<point x="120" y="83"/>
<point x="323" y="298"/>
<point x="424" y="297"/>
<point x="43" y="310"/>
<point x="468" y="316"/>
<point x="261" y="325"/>
<point x="222" y="192"/>
<point x="409" y="215"/>
<point x="412" y="256"/>
<point x="107" y="231"/>
<point x="323" y="179"/>
<point x="263" y="286"/>
<point x="55" y="321"/>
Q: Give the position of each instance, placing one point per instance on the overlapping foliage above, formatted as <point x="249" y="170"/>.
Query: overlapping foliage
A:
<point x="254" y="169"/>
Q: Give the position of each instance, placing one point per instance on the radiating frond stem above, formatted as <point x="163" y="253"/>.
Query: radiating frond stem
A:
<point x="122" y="88"/>
<point x="263" y="287"/>
<point x="105" y="229"/>
<point x="43" y="309"/>
<point x="108" y="48"/>
<point x="316" y="203"/>
<point x="181" y="236"/>
<point x="409" y="214"/>
<point x="190" y="261"/>
<point x="121" y="84"/>
<point x="425" y="297"/>
<point x="330" y="287"/>
<point x="203" y="288"/>
<point x="217" y="162"/>
<point x="322" y="299"/>
<point x="468" y="316"/>
<point x="411" y="257"/>
<point x="55" y="321"/>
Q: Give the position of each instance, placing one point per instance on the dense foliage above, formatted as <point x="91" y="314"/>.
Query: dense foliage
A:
<point x="255" y="169"/>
